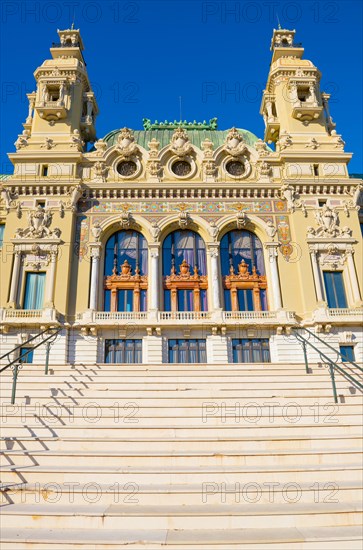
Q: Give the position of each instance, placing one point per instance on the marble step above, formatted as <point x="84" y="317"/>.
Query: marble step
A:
<point x="129" y="493"/>
<point x="304" y="538"/>
<point x="223" y="517"/>
<point x="182" y="458"/>
<point x="259" y="445"/>
<point x="154" y="473"/>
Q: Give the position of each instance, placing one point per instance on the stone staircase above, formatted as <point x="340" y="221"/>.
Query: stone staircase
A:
<point x="182" y="457"/>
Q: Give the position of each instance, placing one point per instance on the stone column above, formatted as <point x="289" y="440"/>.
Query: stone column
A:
<point x="215" y="277"/>
<point x="353" y="276"/>
<point x="49" y="298"/>
<point x="276" y="292"/>
<point x="15" y="280"/>
<point x="95" y="268"/>
<point x="153" y="286"/>
<point x="316" y="275"/>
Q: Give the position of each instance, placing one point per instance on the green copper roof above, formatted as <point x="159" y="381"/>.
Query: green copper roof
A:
<point x="218" y="137"/>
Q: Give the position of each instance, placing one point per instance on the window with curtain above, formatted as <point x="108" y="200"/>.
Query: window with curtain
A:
<point x="250" y="350"/>
<point x="26" y="355"/>
<point x="185" y="250"/>
<point x="123" y="351"/>
<point x="126" y="266"/>
<point x="34" y="290"/>
<point x="334" y="289"/>
<point x="243" y="271"/>
<point x="2" y="229"/>
<point x="187" y="351"/>
<point x="184" y="245"/>
<point x="241" y="245"/>
<point x="347" y="352"/>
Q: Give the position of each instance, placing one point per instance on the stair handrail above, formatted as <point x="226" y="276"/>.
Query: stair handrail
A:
<point x="330" y="347"/>
<point x="25" y="343"/>
<point x="332" y="365"/>
<point x="16" y="364"/>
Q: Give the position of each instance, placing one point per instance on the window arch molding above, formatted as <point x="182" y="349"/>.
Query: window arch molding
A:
<point x="111" y="225"/>
<point x="196" y="223"/>
<point x="255" y="225"/>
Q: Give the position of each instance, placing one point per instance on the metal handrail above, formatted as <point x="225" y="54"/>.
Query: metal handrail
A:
<point x="24" y="343"/>
<point x="333" y="349"/>
<point x="17" y="363"/>
<point x="332" y="366"/>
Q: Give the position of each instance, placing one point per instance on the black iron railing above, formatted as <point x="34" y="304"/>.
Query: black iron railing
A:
<point x="16" y="364"/>
<point x="332" y="365"/>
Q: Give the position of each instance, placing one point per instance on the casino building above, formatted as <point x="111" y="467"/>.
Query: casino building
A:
<point x="180" y="242"/>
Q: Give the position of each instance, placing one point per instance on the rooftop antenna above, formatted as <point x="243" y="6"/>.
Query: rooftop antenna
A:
<point x="72" y="26"/>
<point x="180" y="108"/>
<point x="278" y="23"/>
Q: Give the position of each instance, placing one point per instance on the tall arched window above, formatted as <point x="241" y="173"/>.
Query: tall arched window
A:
<point x="185" y="272"/>
<point x="125" y="282"/>
<point x="243" y="271"/>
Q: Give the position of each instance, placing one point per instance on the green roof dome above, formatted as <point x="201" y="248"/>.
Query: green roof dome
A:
<point x="197" y="133"/>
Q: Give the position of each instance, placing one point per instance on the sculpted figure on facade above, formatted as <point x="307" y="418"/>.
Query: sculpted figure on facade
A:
<point x="48" y="143"/>
<point x="284" y="142"/>
<point x="241" y="219"/>
<point x="183" y="220"/>
<point x="125" y="220"/>
<point x="155" y="231"/>
<point x="213" y="230"/>
<point x="100" y="170"/>
<point x="76" y="141"/>
<point x="312" y="143"/>
<point x="288" y="193"/>
<point x="39" y="221"/>
<point x="75" y="194"/>
<point x="271" y="229"/>
<point x="126" y="145"/>
<point x="100" y="148"/>
<point x="235" y="145"/>
<point x="96" y="231"/>
<point x="262" y="148"/>
<point x="6" y="197"/>
<point x="22" y="140"/>
<point x="328" y="224"/>
<point x="180" y="144"/>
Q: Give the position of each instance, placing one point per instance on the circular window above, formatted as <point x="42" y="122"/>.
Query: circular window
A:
<point x="181" y="168"/>
<point x="235" y="168"/>
<point x="127" y="168"/>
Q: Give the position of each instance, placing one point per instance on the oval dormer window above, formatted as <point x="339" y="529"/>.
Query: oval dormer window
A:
<point x="127" y="168"/>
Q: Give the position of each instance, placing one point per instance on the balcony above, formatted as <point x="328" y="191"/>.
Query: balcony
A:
<point x="30" y="317"/>
<point x="305" y="111"/>
<point x="338" y="315"/>
<point x="51" y="110"/>
<point x="192" y="318"/>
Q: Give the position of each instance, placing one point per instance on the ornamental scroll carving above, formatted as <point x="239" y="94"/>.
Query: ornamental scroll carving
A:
<point x="328" y="224"/>
<point x="39" y="221"/>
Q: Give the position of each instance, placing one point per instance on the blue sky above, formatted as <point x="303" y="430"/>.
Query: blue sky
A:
<point x="142" y="55"/>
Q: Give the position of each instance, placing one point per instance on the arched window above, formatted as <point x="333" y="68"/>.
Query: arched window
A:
<point x="125" y="282"/>
<point x="243" y="272"/>
<point x="185" y="272"/>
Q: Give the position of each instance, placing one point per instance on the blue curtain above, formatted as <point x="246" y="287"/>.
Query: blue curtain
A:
<point x="184" y="245"/>
<point x="126" y="245"/>
<point x="241" y="245"/>
<point x="334" y="288"/>
<point x="34" y="291"/>
<point x="2" y="229"/>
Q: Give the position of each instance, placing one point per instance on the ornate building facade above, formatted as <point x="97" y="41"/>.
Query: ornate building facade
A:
<point x="180" y="242"/>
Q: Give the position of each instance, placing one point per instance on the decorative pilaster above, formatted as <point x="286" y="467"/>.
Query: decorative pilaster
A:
<point x="272" y="249"/>
<point x="154" y="279"/>
<point x="215" y="276"/>
<point x="353" y="276"/>
<point x="95" y="268"/>
<point x="15" y="280"/>
<point x="49" y="298"/>
<point x="316" y="275"/>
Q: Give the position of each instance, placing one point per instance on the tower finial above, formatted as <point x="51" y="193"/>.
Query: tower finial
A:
<point x="278" y="23"/>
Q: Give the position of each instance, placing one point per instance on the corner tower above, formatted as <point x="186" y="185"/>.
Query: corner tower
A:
<point x="295" y="110"/>
<point x="62" y="110"/>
